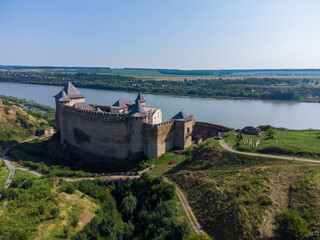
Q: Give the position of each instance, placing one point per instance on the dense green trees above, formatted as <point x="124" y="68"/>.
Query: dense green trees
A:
<point x="139" y="209"/>
<point x="251" y="88"/>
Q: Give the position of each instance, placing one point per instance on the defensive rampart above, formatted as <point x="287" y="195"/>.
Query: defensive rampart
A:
<point x="158" y="138"/>
<point x="208" y="130"/>
<point x="97" y="132"/>
<point x="94" y="115"/>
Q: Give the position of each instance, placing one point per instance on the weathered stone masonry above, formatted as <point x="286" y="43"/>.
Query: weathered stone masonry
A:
<point x="118" y="135"/>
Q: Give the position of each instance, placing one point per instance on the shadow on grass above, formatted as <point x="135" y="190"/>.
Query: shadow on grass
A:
<point x="5" y="144"/>
<point x="177" y="168"/>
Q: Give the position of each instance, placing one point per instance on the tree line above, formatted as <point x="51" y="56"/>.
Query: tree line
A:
<point x="252" y="88"/>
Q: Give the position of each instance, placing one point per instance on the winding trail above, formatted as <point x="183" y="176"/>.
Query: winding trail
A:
<point x="192" y="218"/>
<point x="12" y="168"/>
<point x="226" y="147"/>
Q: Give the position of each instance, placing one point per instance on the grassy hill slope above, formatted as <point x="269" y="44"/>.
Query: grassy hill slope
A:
<point x="236" y="196"/>
<point x="16" y="123"/>
<point x="34" y="208"/>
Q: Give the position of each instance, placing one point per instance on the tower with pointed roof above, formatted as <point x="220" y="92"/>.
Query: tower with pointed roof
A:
<point x="68" y="96"/>
<point x="141" y="99"/>
<point x="121" y="131"/>
<point x="183" y="130"/>
<point x="138" y="117"/>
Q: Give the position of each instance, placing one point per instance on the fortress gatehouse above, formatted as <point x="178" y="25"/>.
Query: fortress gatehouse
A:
<point x="122" y="130"/>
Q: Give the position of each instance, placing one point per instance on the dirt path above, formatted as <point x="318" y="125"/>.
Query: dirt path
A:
<point x="192" y="218"/>
<point x="9" y="165"/>
<point x="226" y="147"/>
<point x="280" y="183"/>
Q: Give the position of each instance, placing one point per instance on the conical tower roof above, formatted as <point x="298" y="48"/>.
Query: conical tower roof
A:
<point x="98" y="109"/>
<point x="72" y="91"/>
<point x="122" y="103"/>
<point x="137" y="110"/>
<point x="62" y="97"/>
<point x="140" y="97"/>
<point x="181" y="116"/>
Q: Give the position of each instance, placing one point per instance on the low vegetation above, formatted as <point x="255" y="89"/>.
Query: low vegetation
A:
<point x="35" y="109"/>
<point x="4" y="173"/>
<point x="304" y="197"/>
<point x="228" y="199"/>
<point x="279" y="141"/>
<point x="289" y="225"/>
<point x="32" y="208"/>
<point x="236" y="196"/>
<point x="17" y="124"/>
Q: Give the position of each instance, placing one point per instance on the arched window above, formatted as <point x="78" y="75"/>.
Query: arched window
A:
<point x="188" y="130"/>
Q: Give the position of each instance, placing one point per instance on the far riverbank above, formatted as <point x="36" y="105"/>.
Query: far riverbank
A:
<point x="231" y="113"/>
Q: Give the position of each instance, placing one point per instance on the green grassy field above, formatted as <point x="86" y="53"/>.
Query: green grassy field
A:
<point x="305" y="143"/>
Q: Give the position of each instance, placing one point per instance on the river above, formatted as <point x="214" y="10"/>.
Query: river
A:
<point x="231" y="113"/>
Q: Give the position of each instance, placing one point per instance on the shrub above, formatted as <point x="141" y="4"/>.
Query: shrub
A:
<point x="74" y="220"/>
<point x="189" y="153"/>
<point x="65" y="231"/>
<point x="247" y="200"/>
<point x="5" y="102"/>
<point x="41" y="209"/>
<point x="265" y="200"/>
<point x="245" y="186"/>
<point x="10" y="194"/>
<point x="312" y="236"/>
<point x="54" y="212"/>
<point x="270" y="133"/>
<point x="27" y="184"/>
<point x="290" y="226"/>
<point x="16" y="182"/>
<point x="180" y="230"/>
<point x="66" y="187"/>
<point x="264" y="127"/>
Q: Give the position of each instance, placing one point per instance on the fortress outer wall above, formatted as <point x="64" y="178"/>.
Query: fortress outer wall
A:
<point x="97" y="132"/>
<point x="158" y="139"/>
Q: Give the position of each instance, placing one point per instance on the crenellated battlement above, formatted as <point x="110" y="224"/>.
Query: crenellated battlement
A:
<point x="94" y="115"/>
<point x="124" y="130"/>
<point x="158" y="125"/>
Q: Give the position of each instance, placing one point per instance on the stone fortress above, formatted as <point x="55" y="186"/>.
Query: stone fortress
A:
<point x="125" y="129"/>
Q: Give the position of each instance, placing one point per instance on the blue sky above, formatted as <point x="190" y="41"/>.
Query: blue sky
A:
<point x="188" y="34"/>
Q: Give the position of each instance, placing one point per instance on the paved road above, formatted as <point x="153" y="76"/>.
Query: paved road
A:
<point x="226" y="147"/>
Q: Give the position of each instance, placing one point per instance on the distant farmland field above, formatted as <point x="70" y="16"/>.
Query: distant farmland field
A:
<point x="175" y="74"/>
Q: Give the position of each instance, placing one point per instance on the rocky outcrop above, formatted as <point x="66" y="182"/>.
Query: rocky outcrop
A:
<point x="45" y="132"/>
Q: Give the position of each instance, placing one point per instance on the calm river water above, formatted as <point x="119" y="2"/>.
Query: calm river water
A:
<point x="232" y="113"/>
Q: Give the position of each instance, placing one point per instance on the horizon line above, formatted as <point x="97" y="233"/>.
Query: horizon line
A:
<point x="143" y="68"/>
